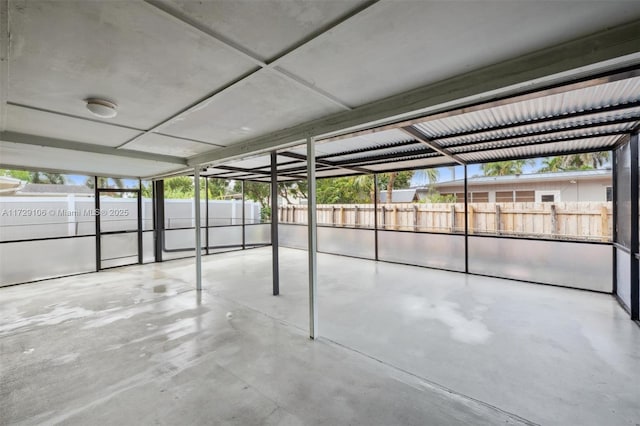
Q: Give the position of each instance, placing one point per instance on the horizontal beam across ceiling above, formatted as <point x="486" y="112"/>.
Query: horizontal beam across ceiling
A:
<point x="601" y="52"/>
<point x="25" y="139"/>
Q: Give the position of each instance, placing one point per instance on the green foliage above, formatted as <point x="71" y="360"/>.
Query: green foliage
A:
<point x="399" y="180"/>
<point x="551" y="165"/>
<point x="178" y="187"/>
<point x="563" y="163"/>
<point x="358" y="189"/>
<point x="436" y="197"/>
<point x="16" y="174"/>
<point x="259" y="192"/>
<point x="34" y="177"/>
<point x="504" y="168"/>
<point x="289" y="190"/>
<point x="218" y="188"/>
<point x="265" y="213"/>
<point x="146" y="189"/>
<point x="344" y="190"/>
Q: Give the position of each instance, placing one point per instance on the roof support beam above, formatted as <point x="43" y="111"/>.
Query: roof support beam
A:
<point x="420" y="137"/>
<point x="105" y="123"/>
<point x="325" y="163"/>
<point x="249" y="171"/>
<point x="370" y="149"/>
<point x="598" y="53"/>
<point x="25" y="139"/>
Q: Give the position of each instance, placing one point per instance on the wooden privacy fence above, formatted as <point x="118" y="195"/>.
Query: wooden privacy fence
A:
<point x="574" y="220"/>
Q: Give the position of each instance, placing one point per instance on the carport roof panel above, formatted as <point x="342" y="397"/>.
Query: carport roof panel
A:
<point x="586" y="116"/>
<point x="543" y="149"/>
<point x="560" y="105"/>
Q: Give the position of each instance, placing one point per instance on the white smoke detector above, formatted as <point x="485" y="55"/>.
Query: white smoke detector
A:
<point x="101" y="108"/>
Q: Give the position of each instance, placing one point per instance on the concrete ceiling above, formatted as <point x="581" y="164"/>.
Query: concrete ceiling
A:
<point x="202" y="81"/>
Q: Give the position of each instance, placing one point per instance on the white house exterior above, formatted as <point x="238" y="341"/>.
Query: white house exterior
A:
<point x="586" y="185"/>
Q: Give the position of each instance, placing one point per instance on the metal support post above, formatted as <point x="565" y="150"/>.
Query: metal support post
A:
<point x="375" y="212"/>
<point x="466" y="221"/>
<point x="312" y="229"/>
<point x="206" y="215"/>
<point x="140" y="224"/>
<point x="196" y="181"/>
<point x="274" y="224"/>
<point x="634" y="275"/>
<point x="244" y="219"/>
<point x="96" y="193"/>
<point x="158" y="203"/>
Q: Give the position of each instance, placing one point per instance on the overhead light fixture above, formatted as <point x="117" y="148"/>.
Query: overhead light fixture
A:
<point x="101" y="108"/>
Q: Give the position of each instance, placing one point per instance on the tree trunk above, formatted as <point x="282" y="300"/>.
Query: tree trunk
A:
<point x="392" y="180"/>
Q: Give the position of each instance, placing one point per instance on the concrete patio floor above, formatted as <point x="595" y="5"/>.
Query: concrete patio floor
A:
<point x="400" y="345"/>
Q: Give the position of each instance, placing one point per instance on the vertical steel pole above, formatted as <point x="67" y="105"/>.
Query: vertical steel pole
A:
<point x="244" y="238"/>
<point x="466" y="222"/>
<point x="158" y="202"/>
<point x="614" y="220"/>
<point x="634" y="273"/>
<point x="206" y="214"/>
<point x="196" y="181"/>
<point x="140" y="224"/>
<point x="274" y="224"/>
<point x="312" y="229"/>
<point x="375" y="212"/>
<point x="96" y="200"/>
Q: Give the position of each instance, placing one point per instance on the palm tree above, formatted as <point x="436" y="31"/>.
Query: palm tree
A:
<point x="504" y="168"/>
<point x="589" y="160"/>
<point x="551" y="165"/>
<point x="364" y="185"/>
<point x="431" y="175"/>
<point x="392" y="181"/>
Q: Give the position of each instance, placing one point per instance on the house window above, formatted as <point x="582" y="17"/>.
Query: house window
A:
<point x="609" y="193"/>
<point x="479" y="197"/>
<point x="504" y="196"/>
<point x="525" y="196"/>
<point x="547" y="196"/>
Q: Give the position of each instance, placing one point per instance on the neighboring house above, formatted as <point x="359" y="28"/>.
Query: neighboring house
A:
<point x="45" y="189"/>
<point x="585" y="185"/>
<point x="400" y="196"/>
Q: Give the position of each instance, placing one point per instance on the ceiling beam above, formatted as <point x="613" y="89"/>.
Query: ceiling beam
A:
<point x="4" y="61"/>
<point x="104" y="123"/>
<point x="423" y="139"/>
<point x="370" y="149"/>
<point x="249" y="172"/>
<point x="601" y="52"/>
<point x="26" y="139"/>
<point x="325" y="163"/>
